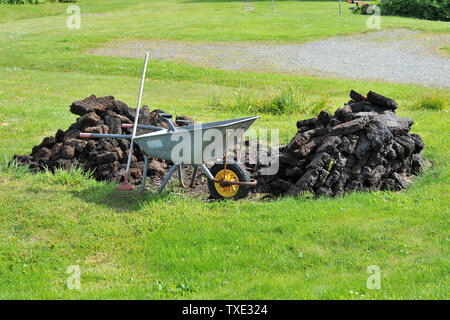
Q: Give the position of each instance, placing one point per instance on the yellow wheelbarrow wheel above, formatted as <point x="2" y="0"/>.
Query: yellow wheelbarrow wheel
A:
<point x="227" y="191"/>
<point x="235" y="172"/>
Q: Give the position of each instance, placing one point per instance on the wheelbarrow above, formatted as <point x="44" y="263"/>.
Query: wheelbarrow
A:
<point x="192" y="145"/>
<point x="225" y="180"/>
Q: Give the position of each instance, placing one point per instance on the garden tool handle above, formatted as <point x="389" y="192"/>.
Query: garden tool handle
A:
<point x="141" y="88"/>
<point x="168" y="119"/>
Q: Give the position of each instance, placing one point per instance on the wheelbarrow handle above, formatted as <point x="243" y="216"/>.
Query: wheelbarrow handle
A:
<point x="165" y="115"/>
<point x="104" y="135"/>
<point x="85" y="135"/>
<point x="168" y="119"/>
<point x="141" y="126"/>
<point x="223" y="182"/>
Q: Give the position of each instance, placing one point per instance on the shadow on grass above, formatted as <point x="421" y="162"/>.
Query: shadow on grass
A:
<point x="106" y="195"/>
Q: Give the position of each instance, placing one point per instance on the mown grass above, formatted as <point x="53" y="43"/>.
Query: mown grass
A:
<point x="178" y="246"/>
<point x="445" y="49"/>
<point x="174" y="246"/>
<point x="20" y="12"/>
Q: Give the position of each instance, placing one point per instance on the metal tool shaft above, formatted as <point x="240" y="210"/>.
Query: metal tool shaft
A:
<point x="130" y="153"/>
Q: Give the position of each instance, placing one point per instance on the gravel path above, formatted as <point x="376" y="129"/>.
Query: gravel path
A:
<point x="393" y="55"/>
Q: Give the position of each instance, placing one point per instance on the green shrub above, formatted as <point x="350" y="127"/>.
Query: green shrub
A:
<point x="245" y="101"/>
<point x="323" y="103"/>
<point x="282" y="101"/>
<point x="431" y="101"/>
<point x="424" y="9"/>
<point x="285" y="101"/>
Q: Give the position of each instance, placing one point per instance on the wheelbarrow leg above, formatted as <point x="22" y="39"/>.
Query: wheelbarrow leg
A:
<point x="180" y="175"/>
<point x="167" y="177"/>
<point x="144" y="174"/>
<point x="191" y="184"/>
<point x="207" y="172"/>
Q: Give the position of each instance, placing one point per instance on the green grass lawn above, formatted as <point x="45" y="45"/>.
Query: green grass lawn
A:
<point x="174" y="245"/>
<point x="445" y="49"/>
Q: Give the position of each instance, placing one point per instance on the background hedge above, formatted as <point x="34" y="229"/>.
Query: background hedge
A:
<point x="424" y="9"/>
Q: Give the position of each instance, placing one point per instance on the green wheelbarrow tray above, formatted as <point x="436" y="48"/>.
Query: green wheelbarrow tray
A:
<point x="162" y="144"/>
<point x="186" y="145"/>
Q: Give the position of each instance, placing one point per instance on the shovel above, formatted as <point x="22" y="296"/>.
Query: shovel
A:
<point x="126" y="185"/>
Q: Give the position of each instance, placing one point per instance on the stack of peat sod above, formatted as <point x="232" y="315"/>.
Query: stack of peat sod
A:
<point x="363" y="146"/>
<point x="106" y="158"/>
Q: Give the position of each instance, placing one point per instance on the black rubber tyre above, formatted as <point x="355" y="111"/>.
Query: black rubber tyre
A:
<point x="241" y="173"/>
